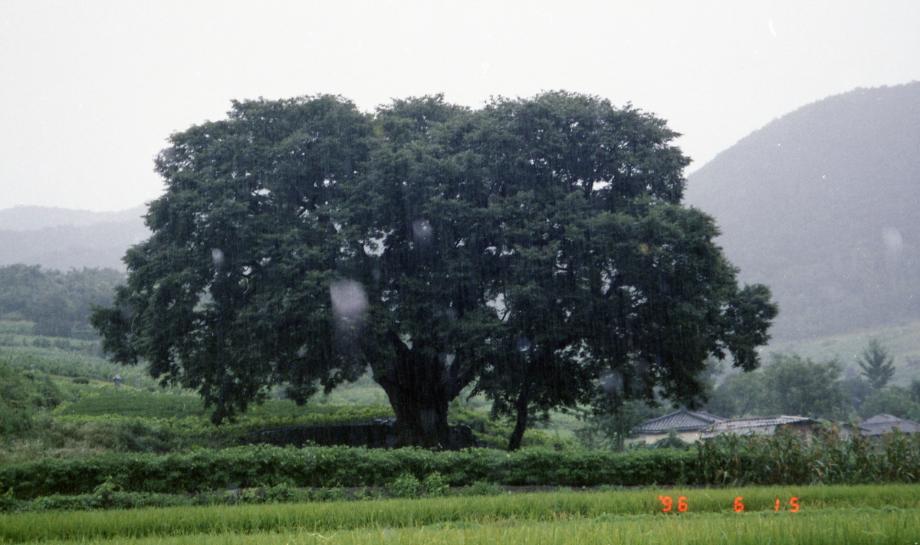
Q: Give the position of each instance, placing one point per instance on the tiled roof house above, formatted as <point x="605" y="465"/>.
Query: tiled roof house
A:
<point x="759" y="425"/>
<point x="684" y="423"/>
<point x="885" y="423"/>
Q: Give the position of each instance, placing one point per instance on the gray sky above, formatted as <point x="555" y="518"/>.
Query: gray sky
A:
<point x="90" y="90"/>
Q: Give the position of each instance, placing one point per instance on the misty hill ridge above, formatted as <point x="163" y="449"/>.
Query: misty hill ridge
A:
<point x="62" y="239"/>
<point x="29" y="218"/>
<point x="823" y="205"/>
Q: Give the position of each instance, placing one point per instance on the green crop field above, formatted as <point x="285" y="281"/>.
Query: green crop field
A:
<point x="827" y="514"/>
<point x="61" y="363"/>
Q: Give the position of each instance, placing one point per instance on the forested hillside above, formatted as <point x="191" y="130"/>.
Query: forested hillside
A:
<point x="58" y="304"/>
<point x="822" y="206"/>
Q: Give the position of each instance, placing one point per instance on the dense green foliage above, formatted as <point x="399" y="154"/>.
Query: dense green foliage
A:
<point x="892" y="400"/>
<point x="609" y="425"/>
<point x="734" y="460"/>
<point x="58" y="303"/>
<point x="877" y="364"/>
<point x="783" y="459"/>
<point x="831" y="515"/>
<point x="789" y="384"/>
<point x="525" y="248"/>
<point x="793" y="385"/>
<point x="340" y="466"/>
<point x="21" y="395"/>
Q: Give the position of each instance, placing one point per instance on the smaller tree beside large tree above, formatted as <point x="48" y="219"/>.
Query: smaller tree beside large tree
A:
<point x="800" y="386"/>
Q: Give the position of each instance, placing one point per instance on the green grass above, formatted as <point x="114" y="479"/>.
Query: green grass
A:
<point x="130" y="402"/>
<point x="67" y="364"/>
<point x="836" y="528"/>
<point x="841" y="512"/>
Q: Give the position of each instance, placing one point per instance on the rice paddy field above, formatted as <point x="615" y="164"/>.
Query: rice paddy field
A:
<point x="870" y="514"/>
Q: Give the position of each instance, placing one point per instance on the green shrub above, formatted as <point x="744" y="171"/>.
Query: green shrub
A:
<point x="105" y="492"/>
<point x="435" y="485"/>
<point x="22" y="394"/>
<point x="281" y="492"/>
<point x="405" y="486"/>
<point x="482" y="488"/>
<point x="7" y="501"/>
<point x="672" y="441"/>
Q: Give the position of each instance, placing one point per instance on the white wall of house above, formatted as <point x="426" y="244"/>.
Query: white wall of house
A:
<point x="651" y="438"/>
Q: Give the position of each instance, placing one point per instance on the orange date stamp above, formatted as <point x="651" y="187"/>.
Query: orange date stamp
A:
<point x="682" y="505"/>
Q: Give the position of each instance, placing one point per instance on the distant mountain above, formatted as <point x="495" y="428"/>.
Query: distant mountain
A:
<point x="62" y="239"/>
<point x="823" y="205"/>
<point x="30" y="218"/>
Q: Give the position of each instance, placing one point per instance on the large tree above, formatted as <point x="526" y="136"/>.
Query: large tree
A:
<point x="526" y="248"/>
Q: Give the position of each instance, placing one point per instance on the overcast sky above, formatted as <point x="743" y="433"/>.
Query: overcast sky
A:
<point x="90" y="90"/>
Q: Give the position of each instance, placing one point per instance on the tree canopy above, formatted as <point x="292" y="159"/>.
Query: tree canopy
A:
<point x="789" y="384"/>
<point x="529" y="250"/>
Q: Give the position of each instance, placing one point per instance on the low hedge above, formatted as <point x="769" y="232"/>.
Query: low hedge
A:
<point x="728" y="461"/>
<point x="259" y="466"/>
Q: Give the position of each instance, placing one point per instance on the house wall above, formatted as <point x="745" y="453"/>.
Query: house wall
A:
<point x="651" y="438"/>
<point x="804" y="430"/>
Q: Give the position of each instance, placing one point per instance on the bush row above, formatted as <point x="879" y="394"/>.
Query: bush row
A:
<point x="261" y="466"/>
<point x="765" y="460"/>
<point x="109" y="496"/>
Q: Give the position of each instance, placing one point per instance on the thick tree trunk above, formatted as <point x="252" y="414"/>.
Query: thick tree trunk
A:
<point x="421" y="416"/>
<point x="522" y="408"/>
<point x="420" y="388"/>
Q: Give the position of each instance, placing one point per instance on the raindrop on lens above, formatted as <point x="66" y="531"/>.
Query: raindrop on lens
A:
<point x="217" y="257"/>
<point x="421" y="232"/>
<point x="349" y="301"/>
<point x="523" y="344"/>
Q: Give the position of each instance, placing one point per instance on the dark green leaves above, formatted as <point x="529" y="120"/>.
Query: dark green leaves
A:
<point x="528" y="248"/>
